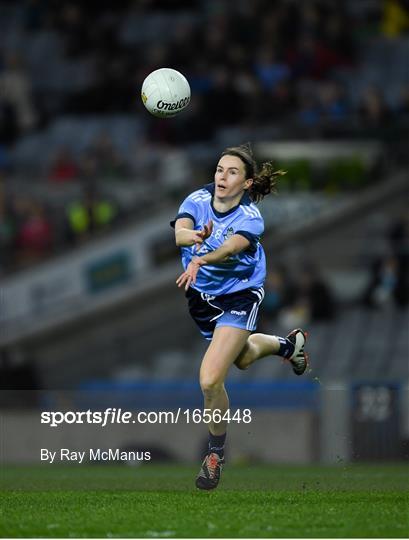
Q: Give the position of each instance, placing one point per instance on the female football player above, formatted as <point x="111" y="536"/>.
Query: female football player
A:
<point x="218" y="229"/>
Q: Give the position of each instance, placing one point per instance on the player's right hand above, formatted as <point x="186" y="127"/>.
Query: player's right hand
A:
<point x="204" y="233"/>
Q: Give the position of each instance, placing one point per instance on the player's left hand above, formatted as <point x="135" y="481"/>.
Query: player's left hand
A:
<point x="189" y="275"/>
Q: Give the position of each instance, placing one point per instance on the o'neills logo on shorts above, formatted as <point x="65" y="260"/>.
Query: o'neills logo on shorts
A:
<point x="165" y="106"/>
<point x="240" y="313"/>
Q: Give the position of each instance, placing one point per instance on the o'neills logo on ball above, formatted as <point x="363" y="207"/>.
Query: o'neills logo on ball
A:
<point x="165" y="106"/>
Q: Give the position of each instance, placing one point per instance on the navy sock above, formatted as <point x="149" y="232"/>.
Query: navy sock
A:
<point x="286" y="347"/>
<point x="216" y="444"/>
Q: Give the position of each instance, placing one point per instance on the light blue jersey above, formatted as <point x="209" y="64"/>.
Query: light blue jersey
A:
<point x="242" y="271"/>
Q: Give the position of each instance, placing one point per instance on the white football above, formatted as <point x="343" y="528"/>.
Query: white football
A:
<point x="165" y="92"/>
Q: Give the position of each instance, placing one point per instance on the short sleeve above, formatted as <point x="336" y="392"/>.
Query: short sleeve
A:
<point x="252" y="229"/>
<point x="188" y="209"/>
<point x="254" y="225"/>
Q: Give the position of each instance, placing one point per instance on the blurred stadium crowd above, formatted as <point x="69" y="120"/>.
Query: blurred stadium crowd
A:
<point x="305" y="296"/>
<point x="73" y="131"/>
<point x="282" y="68"/>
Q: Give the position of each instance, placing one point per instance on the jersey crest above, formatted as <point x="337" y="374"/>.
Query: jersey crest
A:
<point x="228" y="233"/>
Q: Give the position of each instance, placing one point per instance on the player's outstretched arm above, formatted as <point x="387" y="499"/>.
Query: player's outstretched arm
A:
<point x="185" y="235"/>
<point x="230" y="247"/>
<point x="233" y="245"/>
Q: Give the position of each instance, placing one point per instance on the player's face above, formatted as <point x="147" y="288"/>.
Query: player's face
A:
<point x="230" y="178"/>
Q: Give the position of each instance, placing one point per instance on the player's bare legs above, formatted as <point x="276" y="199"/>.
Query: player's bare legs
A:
<point x="257" y="346"/>
<point x="226" y="344"/>
<point x="261" y="345"/>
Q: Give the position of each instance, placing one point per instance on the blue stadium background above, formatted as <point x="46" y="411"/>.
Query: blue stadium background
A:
<point x="89" y="182"/>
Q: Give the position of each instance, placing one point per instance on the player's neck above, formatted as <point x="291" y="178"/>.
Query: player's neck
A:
<point x="226" y="204"/>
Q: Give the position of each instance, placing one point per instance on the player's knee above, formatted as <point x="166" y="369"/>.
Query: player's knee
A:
<point x="248" y="355"/>
<point x="242" y="364"/>
<point x="210" y="385"/>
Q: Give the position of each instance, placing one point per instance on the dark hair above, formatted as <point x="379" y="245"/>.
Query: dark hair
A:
<point x="264" y="182"/>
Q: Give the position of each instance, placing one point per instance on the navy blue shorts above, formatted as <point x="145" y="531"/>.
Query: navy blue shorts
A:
<point x="238" y="309"/>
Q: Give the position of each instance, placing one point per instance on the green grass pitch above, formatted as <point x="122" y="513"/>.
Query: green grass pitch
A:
<point x="160" y="501"/>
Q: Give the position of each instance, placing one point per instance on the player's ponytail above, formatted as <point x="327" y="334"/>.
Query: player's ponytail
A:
<point x="265" y="181"/>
